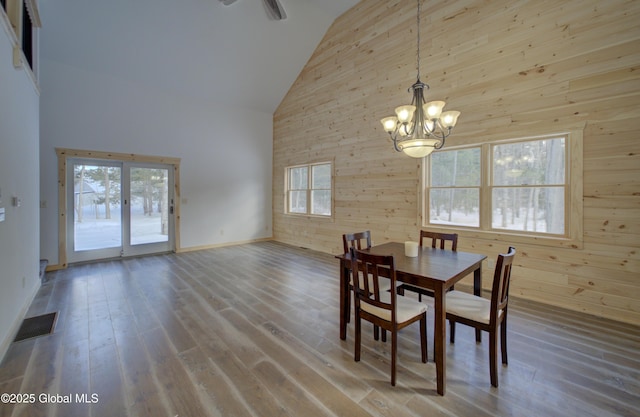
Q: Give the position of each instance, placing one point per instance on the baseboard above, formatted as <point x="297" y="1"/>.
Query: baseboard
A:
<point x="54" y="267"/>
<point x="222" y="245"/>
<point x="4" y="347"/>
<point x="57" y="267"/>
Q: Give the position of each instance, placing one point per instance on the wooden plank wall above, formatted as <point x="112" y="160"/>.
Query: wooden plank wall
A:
<point x="514" y="69"/>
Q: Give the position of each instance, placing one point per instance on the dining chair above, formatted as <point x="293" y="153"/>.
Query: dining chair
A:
<point x="438" y="240"/>
<point x="386" y="309"/>
<point x="360" y="241"/>
<point x="485" y="314"/>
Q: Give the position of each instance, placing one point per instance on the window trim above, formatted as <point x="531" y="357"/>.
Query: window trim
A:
<point x="12" y="20"/>
<point x="573" y="204"/>
<point x="309" y="188"/>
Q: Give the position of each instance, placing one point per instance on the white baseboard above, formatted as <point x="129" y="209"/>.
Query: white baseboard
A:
<point x="8" y="339"/>
<point x="222" y="245"/>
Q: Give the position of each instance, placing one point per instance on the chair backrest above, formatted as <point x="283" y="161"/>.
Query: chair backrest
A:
<point x="359" y="240"/>
<point x="501" y="278"/>
<point x="439" y="239"/>
<point x="368" y="269"/>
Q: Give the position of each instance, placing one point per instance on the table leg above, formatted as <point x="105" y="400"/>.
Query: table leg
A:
<point x="440" y="335"/>
<point x="477" y="290"/>
<point x="344" y="293"/>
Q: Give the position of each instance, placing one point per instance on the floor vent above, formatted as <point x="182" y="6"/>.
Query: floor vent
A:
<point x="36" y="326"/>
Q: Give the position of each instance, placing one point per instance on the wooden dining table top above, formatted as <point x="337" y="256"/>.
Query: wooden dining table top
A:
<point x="431" y="265"/>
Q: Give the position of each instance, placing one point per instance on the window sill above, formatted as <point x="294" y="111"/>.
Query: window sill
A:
<point x="511" y="237"/>
<point x="310" y="216"/>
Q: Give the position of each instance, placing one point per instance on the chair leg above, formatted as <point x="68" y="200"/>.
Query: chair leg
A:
<point x="356" y="355"/>
<point x="348" y="306"/>
<point x="394" y="347"/>
<point x="423" y="338"/>
<point x="376" y="333"/>
<point x="434" y="347"/>
<point x="503" y="340"/>
<point x="493" y="357"/>
<point x="452" y="331"/>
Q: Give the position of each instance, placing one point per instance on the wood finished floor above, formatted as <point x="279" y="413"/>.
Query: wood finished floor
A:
<point x="252" y="330"/>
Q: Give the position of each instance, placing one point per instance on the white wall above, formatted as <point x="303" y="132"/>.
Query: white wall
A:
<point x="19" y="175"/>
<point x="226" y="153"/>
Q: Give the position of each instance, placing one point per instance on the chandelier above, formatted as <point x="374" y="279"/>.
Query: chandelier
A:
<point x="420" y="127"/>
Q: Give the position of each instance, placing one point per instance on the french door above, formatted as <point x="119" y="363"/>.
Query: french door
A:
<point x="118" y="209"/>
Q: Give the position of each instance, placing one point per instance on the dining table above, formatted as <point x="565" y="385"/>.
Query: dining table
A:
<point x="435" y="269"/>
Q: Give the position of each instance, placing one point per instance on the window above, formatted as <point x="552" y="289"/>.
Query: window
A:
<point x="308" y="189"/>
<point x="520" y="187"/>
<point x="21" y="19"/>
<point x="27" y="36"/>
<point x="528" y="186"/>
<point x="454" y="196"/>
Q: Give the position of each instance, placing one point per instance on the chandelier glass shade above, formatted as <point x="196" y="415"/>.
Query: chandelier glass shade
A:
<point x="420" y="127"/>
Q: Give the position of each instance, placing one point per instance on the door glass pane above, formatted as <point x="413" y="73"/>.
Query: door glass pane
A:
<point x="149" y="205"/>
<point x="97" y="207"/>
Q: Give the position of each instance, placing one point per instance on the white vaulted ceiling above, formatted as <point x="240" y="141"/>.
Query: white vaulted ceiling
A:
<point x="202" y="49"/>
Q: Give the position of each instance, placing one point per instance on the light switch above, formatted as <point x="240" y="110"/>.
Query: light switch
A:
<point x="16" y="201"/>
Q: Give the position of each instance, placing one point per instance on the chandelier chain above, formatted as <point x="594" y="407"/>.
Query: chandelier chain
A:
<point x="418" y="46"/>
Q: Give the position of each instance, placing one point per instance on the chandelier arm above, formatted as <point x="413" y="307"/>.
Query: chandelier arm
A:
<point x="430" y="131"/>
<point x="394" y="139"/>
<point x="443" y="136"/>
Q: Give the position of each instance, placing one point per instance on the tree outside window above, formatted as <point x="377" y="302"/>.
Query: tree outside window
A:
<point x="321" y="189"/>
<point x="529" y="186"/>
<point x="454" y="195"/>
